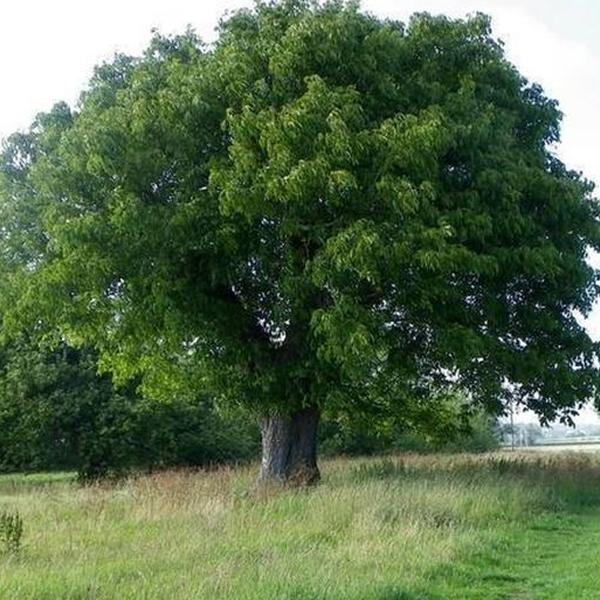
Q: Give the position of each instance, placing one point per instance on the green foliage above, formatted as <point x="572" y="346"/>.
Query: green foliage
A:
<point x="56" y="412"/>
<point x="320" y="206"/>
<point x="192" y="433"/>
<point x="442" y="424"/>
<point x="11" y="532"/>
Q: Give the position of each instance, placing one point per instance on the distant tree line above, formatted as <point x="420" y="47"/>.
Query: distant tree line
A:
<point x="58" y="412"/>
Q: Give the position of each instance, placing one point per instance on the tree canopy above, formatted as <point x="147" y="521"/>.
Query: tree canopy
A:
<point x="319" y="208"/>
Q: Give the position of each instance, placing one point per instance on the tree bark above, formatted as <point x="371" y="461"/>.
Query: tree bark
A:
<point x="289" y="448"/>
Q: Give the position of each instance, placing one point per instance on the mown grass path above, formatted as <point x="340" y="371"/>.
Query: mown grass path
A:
<point x="556" y="557"/>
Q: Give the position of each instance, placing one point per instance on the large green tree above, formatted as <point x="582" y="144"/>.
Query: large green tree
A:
<point x="320" y="208"/>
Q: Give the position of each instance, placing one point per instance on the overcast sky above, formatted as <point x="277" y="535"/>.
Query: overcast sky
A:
<point x="49" y="47"/>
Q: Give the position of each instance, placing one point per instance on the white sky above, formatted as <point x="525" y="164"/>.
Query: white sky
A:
<point x="49" y="47"/>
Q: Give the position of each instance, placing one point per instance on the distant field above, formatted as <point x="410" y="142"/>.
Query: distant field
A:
<point x="592" y="447"/>
<point x="523" y="526"/>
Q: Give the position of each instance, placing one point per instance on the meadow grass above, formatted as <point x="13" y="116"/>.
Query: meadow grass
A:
<point x="398" y="528"/>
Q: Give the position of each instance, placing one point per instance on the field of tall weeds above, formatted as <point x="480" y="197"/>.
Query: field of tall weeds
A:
<point x="389" y="528"/>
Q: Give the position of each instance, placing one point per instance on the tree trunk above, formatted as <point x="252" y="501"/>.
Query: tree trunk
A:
<point x="289" y="448"/>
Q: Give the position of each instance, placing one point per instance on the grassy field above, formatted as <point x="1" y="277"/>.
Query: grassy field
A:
<point x="402" y="528"/>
